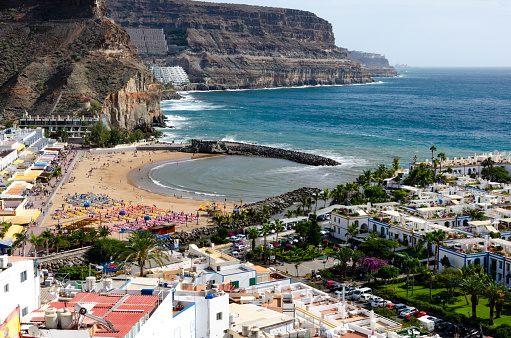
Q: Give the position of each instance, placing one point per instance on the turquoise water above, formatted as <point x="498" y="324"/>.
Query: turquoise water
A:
<point x="460" y="111"/>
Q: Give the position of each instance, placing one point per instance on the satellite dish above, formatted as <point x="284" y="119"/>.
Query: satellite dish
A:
<point x="34" y="331"/>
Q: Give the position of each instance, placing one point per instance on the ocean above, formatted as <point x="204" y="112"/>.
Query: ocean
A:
<point x="462" y="111"/>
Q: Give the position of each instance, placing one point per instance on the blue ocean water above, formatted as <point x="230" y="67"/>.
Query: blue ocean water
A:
<point x="461" y="111"/>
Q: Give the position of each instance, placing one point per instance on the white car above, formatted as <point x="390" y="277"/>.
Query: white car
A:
<point x="377" y="302"/>
<point x="407" y="311"/>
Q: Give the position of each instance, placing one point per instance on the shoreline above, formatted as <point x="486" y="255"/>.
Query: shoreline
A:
<point x="136" y="179"/>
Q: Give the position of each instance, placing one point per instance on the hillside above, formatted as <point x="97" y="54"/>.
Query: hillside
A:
<point x="70" y="49"/>
<point x="241" y="46"/>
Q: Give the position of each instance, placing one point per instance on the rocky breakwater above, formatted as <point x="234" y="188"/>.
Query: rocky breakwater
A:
<point x="274" y="205"/>
<point x="59" y="263"/>
<point x="70" y="50"/>
<point x="230" y="46"/>
<point x="245" y="149"/>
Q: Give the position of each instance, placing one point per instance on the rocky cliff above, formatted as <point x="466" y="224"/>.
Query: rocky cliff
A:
<point x="67" y="51"/>
<point x="375" y="64"/>
<point x="240" y="46"/>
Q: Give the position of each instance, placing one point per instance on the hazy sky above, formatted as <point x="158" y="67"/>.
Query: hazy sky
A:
<point x="464" y="33"/>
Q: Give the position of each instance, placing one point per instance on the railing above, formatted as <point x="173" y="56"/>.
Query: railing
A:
<point x="65" y="254"/>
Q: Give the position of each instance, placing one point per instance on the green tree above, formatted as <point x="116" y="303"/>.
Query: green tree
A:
<point x="95" y="105"/>
<point x="278" y="226"/>
<point x="343" y="256"/>
<point x="99" y="134"/>
<point x="116" y="136"/>
<point x="474" y="286"/>
<point x="62" y="133"/>
<point x="351" y="232"/>
<point x="388" y="272"/>
<point x="324" y="196"/>
<point x="495" y="295"/>
<point x="432" y="149"/>
<point x="355" y="259"/>
<point x="143" y="247"/>
<point x="35" y="241"/>
<point x="57" y="241"/>
<point x="430" y="240"/>
<point x="92" y="235"/>
<point x="20" y="238"/>
<point x="8" y="124"/>
<point x="47" y="236"/>
<point x="442" y="158"/>
<point x="400" y="196"/>
<point x="137" y="135"/>
<point x="496" y="174"/>
<point x="419" y="248"/>
<point x="410" y="266"/>
<point x="147" y="136"/>
<point x="104" y="232"/>
<point x="314" y="232"/>
<point x="420" y="175"/>
<point x="105" y="248"/>
<point x="439" y="237"/>
<point x="253" y="233"/>
<point x="377" y="247"/>
<point x="157" y="134"/>
<point x="264" y="231"/>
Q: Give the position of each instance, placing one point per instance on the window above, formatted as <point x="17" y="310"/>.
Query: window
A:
<point x="252" y="281"/>
<point x="500" y="264"/>
<point x="236" y="284"/>
<point x="507" y="266"/>
<point x="500" y="277"/>
<point x="6" y="288"/>
<point x="24" y="312"/>
<point x="219" y="316"/>
<point x="23" y="276"/>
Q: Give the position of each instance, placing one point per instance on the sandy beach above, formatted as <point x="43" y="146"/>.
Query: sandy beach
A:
<point x="109" y="176"/>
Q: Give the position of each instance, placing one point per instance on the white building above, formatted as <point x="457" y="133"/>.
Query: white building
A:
<point x="175" y="75"/>
<point x="19" y="285"/>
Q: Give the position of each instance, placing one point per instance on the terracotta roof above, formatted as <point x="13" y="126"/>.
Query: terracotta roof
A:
<point x="123" y="318"/>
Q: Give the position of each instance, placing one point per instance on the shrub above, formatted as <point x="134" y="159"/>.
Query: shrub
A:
<point x="218" y="239"/>
<point x="388" y="272"/>
<point x="77" y="272"/>
<point x="385" y="312"/>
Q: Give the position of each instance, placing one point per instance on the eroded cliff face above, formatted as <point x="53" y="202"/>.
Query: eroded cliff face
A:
<point x="240" y="46"/>
<point x="83" y="55"/>
<point x="375" y="64"/>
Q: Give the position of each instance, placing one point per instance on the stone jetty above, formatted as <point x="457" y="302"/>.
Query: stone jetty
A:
<point x="246" y="149"/>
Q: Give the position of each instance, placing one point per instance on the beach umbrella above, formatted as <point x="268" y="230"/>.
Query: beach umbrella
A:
<point x="147" y="218"/>
<point x="86" y="205"/>
<point x="122" y="213"/>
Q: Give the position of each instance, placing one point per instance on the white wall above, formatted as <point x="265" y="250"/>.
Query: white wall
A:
<point x="163" y="324"/>
<point x="25" y="294"/>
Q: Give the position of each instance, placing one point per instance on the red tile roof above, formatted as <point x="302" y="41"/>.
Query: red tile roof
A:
<point x="123" y="318"/>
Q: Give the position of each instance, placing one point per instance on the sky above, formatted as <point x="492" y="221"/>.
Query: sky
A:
<point x="421" y="33"/>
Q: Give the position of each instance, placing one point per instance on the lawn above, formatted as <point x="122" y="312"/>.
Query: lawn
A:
<point x="460" y="306"/>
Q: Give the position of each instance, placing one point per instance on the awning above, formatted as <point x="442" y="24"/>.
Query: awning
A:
<point x="491" y="228"/>
<point x="5" y="243"/>
<point x="18" y="162"/>
<point x="20" y="147"/>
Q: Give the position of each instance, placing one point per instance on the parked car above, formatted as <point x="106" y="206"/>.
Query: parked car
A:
<point x="377" y="302"/>
<point x="358" y="292"/>
<point x="330" y="284"/>
<point x="442" y="325"/>
<point x="399" y="307"/>
<point x="407" y="311"/>
<point x="233" y="239"/>
<point x="389" y="306"/>
<point x="417" y="314"/>
<point x="365" y="297"/>
<point x="324" y="232"/>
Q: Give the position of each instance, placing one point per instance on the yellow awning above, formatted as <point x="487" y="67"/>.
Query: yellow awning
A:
<point x="20" y="147"/>
<point x="3" y="172"/>
<point x="14" y="229"/>
<point x="18" y="161"/>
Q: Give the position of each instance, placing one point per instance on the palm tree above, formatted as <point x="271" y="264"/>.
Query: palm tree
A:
<point x="415" y="158"/>
<point x="351" y="187"/>
<point x="324" y="196"/>
<point x="35" y="241"/>
<point x="433" y="149"/>
<point x="316" y="195"/>
<point x="20" y="239"/>
<point x="92" y="235"/>
<point x="57" y="241"/>
<point x="395" y="164"/>
<point x="351" y="232"/>
<point x="104" y="232"/>
<point x="430" y="239"/>
<point x="339" y="194"/>
<point x="143" y="247"/>
<point x="278" y="227"/>
<point x="80" y="236"/>
<point x="499" y="306"/>
<point x="419" y="248"/>
<point x="416" y="266"/>
<point x="343" y="256"/>
<point x="409" y="268"/>
<point x="442" y="158"/>
<point x="253" y="233"/>
<point x="290" y="213"/>
<point x="430" y="276"/>
<point x="355" y="258"/>
<point x="264" y="231"/>
<point x="439" y="236"/>
<point x="47" y="237"/>
<point x="495" y="295"/>
<point x="474" y="286"/>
